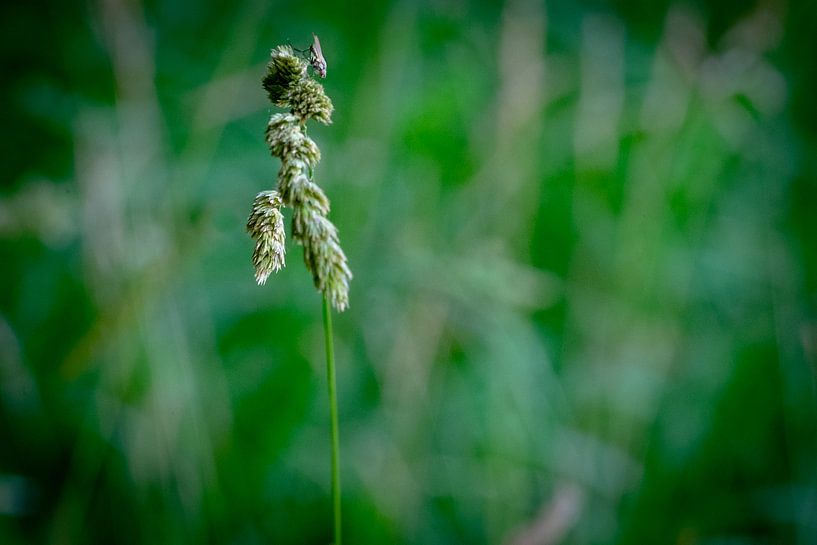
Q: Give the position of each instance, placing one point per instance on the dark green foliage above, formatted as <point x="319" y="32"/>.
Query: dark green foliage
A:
<point x="586" y="274"/>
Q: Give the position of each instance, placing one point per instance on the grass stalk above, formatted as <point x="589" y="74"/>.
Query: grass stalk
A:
<point x="288" y="85"/>
<point x="333" y="412"/>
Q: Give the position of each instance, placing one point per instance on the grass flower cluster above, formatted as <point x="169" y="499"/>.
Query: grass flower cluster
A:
<point x="266" y="224"/>
<point x="288" y="85"/>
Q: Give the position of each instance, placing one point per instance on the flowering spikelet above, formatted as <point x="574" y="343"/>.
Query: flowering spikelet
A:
<point x="283" y="70"/>
<point x="287" y="142"/>
<point x="266" y="226"/>
<point x="309" y="101"/>
<point x="289" y="86"/>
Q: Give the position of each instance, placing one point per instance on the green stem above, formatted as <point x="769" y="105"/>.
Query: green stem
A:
<point x="333" y="411"/>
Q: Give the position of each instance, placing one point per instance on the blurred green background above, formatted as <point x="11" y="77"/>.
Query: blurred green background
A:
<point x="584" y="239"/>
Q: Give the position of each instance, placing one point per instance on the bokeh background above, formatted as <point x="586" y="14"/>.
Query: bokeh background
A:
<point x="584" y="239"/>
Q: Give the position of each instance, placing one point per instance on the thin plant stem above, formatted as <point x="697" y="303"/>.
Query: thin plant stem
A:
<point x="333" y="411"/>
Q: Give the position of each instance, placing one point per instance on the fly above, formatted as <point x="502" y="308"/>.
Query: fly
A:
<point x="316" y="56"/>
